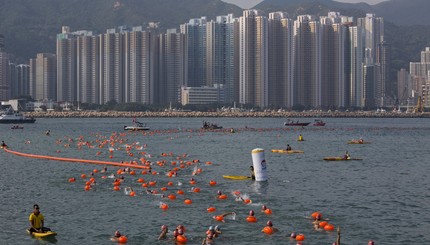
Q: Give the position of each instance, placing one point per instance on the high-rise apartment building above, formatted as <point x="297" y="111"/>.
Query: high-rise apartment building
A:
<point x="253" y="45"/>
<point x="22" y="81"/>
<point x="420" y="75"/>
<point x="221" y="58"/>
<point x="171" y="68"/>
<point x="195" y="48"/>
<point x="43" y="77"/>
<point x="333" y="84"/>
<point x="4" y="76"/>
<point x="307" y="61"/>
<point x="66" y="66"/>
<point x="88" y="68"/>
<point x="404" y="86"/>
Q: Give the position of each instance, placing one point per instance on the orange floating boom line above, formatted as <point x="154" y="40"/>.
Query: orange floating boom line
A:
<point x="64" y="159"/>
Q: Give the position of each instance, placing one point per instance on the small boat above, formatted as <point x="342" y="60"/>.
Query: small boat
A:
<point x="341" y="159"/>
<point x="236" y="177"/>
<point x="287" y="152"/>
<point x="42" y="234"/>
<point x="11" y="116"/>
<point x="210" y="126"/>
<point x="296" y="123"/>
<point x="319" y="122"/>
<point x="138" y="126"/>
<point x="17" y="127"/>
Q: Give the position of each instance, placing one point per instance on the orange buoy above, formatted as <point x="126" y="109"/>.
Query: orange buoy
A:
<point x="268" y="211"/>
<point x="181" y="239"/>
<point x="87" y="187"/>
<point x="268" y="230"/>
<point x="170" y="183"/>
<point x="329" y="227"/>
<point x="95" y="171"/>
<point x="211" y="209"/>
<point x="212" y="182"/>
<point x="171" y="196"/>
<point x="152" y="183"/>
<point x="164" y="206"/>
<point x="188" y="201"/>
<point x="132" y="172"/>
<point x="223" y="196"/>
<point x="300" y="237"/>
<point x="315" y="214"/>
<point x="140" y="180"/>
<point x="196" y="189"/>
<point x="116" y="188"/>
<point x="144" y="185"/>
<point x="247" y="201"/>
<point x="251" y="219"/>
<point x="163" y="188"/>
<point x="180" y="192"/>
<point x="132" y="194"/>
<point x="117" y="183"/>
<point x="83" y="176"/>
<point x="88" y="183"/>
<point x="208" y="163"/>
<point x="122" y="239"/>
<point x="71" y="180"/>
<point x="192" y="182"/>
<point x="322" y="224"/>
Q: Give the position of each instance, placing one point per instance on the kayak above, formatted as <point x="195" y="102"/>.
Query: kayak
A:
<point x="358" y="142"/>
<point x="236" y="177"/>
<point x="42" y="234"/>
<point x="341" y="159"/>
<point x="287" y="152"/>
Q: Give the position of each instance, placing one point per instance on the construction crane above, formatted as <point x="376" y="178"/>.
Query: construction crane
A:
<point x="419" y="108"/>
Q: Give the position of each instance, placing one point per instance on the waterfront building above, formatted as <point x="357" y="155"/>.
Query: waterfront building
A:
<point x="307" y="61"/>
<point x="202" y="95"/>
<point x="280" y="63"/>
<point x="420" y="75"/>
<point x="253" y="45"/>
<point x="4" y="74"/>
<point x="171" y="69"/>
<point x="356" y="90"/>
<point x="22" y="81"/>
<point x="43" y="77"/>
<point x="404" y="86"/>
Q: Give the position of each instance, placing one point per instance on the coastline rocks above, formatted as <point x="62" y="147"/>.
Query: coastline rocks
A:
<point x="292" y="114"/>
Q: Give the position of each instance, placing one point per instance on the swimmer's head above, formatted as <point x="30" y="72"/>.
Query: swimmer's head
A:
<point x="117" y="234"/>
<point x="251" y="212"/>
<point x="371" y="242"/>
<point x="219" y="192"/>
<point x="217" y="228"/>
<point x="210" y="236"/>
<point x="180" y="231"/>
<point x="263" y="207"/>
<point x="269" y="223"/>
<point x="318" y="217"/>
<point x="175" y="233"/>
<point x="293" y="235"/>
<point x="164" y="227"/>
<point x="211" y="228"/>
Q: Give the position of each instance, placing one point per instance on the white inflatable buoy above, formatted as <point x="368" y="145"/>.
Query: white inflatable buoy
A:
<point x="259" y="163"/>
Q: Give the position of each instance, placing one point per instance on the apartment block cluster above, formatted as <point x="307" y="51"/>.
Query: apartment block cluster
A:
<point x="266" y="61"/>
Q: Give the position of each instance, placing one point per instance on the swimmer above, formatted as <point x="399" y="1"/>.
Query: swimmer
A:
<point x="163" y="234"/>
<point x="3" y="145"/>
<point x="221" y="217"/>
<point x="217" y="230"/>
<point x="266" y="210"/>
<point x="208" y="240"/>
<point x="48" y="132"/>
<point x="104" y="170"/>
<point x="116" y="236"/>
<point x="269" y="224"/>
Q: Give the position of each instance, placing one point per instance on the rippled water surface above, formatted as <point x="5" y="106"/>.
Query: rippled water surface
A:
<point x="384" y="197"/>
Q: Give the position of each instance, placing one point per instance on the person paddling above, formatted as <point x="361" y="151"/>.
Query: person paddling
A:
<point x="37" y="221"/>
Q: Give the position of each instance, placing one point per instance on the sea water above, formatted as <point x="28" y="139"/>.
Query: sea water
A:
<point x="385" y="197"/>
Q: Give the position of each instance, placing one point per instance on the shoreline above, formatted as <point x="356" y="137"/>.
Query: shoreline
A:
<point x="292" y="114"/>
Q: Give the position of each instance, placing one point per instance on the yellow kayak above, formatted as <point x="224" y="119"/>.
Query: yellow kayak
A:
<point x="341" y="159"/>
<point x="42" y="234"/>
<point x="357" y="142"/>
<point x="287" y="152"/>
<point x="236" y="177"/>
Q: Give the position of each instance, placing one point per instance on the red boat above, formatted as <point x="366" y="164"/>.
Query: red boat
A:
<point x="319" y="122"/>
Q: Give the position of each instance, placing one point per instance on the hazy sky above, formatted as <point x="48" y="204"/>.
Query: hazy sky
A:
<point x="251" y="3"/>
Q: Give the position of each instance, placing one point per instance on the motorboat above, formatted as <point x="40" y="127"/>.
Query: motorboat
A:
<point x="210" y="126"/>
<point x="137" y="126"/>
<point x="17" y="127"/>
<point x="319" y="122"/>
<point x="296" y="123"/>
<point x="11" y="116"/>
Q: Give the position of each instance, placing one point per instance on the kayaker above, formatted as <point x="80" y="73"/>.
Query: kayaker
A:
<point x="37" y="221"/>
<point x="289" y="148"/>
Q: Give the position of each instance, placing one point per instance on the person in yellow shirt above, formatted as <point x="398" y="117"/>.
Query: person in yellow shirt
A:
<point x="37" y="221"/>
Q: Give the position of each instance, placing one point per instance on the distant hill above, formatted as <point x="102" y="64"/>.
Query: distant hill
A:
<point x="30" y="26"/>
<point x="404" y="12"/>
